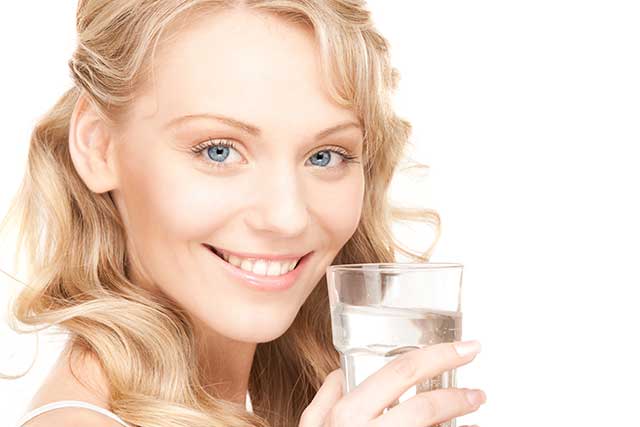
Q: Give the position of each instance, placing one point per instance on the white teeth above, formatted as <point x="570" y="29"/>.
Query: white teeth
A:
<point x="261" y="267"/>
<point x="232" y="259"/>
<point x="274" y="269"/>
<point x="284" y="268"/>
<point x="246" y="265"/>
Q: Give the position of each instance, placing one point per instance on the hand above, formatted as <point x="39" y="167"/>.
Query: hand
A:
<point x="363" y="405"/>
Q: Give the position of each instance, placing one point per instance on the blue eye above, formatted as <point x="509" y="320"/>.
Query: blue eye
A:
<point x="327" y="154"/>
<point x="219" y="150"/>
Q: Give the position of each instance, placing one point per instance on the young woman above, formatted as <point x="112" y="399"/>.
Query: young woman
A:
<point x="183" y="200"/>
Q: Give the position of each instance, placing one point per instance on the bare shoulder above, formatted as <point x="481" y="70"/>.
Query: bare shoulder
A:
<point x="71" y="417"/>
<point x="74" y="376"/>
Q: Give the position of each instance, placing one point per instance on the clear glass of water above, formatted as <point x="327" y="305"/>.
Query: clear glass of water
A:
<point x="381" y="310"/>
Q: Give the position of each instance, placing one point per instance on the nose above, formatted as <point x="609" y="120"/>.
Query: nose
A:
<point x="280" y="207"/>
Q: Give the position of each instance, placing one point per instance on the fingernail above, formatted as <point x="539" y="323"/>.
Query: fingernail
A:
<point x="466" y="348"/>
<point x="476" y="397"/>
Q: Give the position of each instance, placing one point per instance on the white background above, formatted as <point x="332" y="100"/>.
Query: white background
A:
<point x="528" y="114"/>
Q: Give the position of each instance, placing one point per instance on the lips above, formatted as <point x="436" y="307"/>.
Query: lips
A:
<point x="215" y="251"/>
<point x="262" y="283"/>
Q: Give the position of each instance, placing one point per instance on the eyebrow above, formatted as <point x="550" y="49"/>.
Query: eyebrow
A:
<point x="252" y="129"/>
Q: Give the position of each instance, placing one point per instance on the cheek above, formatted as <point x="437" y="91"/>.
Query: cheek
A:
<point x="339" y="206"/>
<point x="166" y="201"/>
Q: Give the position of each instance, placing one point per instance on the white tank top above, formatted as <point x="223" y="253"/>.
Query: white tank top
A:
<point x="69" y="403"/>
<point x="80" y="404"/>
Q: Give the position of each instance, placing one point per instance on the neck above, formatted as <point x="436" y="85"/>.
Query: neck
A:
<point x="227" y="365"/>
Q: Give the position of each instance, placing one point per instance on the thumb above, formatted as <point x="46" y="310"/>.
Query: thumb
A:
<point x="325" y="399"/>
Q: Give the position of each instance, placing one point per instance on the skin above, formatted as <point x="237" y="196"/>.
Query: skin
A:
<point x="272" y="198"/>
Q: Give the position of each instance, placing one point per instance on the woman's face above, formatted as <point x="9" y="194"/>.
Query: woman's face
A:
<point x="277" y="191"/>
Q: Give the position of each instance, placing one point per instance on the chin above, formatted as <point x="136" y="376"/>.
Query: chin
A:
<point x="250" y="324"/>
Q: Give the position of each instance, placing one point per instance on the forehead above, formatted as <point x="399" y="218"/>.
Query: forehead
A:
<point x="242" y="64"/>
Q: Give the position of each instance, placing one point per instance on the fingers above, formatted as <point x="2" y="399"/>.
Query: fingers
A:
<point x="325" y="399"/>
<point x="425" y="409"/>
<point x="382" y="388"/>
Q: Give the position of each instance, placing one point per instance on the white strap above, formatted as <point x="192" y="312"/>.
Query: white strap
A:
<point x="247" y="403"/>
<point x="69" y="403"/>
<point x="81" y="404"/>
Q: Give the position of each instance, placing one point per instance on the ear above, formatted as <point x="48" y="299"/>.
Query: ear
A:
<point x="92" y="148"/>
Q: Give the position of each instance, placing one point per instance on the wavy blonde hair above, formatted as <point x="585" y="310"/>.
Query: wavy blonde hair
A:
<point x="74" y="240"/>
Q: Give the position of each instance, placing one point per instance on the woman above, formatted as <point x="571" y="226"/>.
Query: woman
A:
<point x="183" y="200"/>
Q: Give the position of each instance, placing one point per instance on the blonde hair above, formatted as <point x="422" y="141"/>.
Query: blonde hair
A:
<point x="75" y="240"/>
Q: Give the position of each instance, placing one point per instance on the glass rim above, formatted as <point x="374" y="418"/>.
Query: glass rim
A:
<point x="397" y="266"/>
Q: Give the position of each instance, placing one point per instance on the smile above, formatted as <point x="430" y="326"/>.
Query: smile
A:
<point x="265" y="275"/>
<point x="262" y="267"/>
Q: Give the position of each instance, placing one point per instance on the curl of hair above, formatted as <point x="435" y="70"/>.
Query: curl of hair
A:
<point x="74" y="240"/>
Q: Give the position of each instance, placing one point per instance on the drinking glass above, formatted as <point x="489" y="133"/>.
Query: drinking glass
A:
<point x="381" y="310"/>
